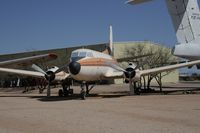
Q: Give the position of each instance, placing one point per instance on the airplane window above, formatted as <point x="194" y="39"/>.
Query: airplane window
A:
<point x="77" y="56"/>
<point x="89" y="54"/>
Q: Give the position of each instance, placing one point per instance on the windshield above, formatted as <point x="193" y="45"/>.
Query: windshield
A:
<point x="75" y="56"/>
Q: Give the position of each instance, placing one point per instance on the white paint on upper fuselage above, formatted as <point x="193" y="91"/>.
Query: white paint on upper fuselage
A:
<point x="85" y="53"/>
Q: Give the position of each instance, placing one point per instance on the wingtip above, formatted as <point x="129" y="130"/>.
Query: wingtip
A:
<point x="128" y="2"/>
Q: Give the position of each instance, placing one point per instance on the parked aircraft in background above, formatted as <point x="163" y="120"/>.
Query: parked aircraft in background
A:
<point x="185" y="16"/>
<point x="88" y="65"/>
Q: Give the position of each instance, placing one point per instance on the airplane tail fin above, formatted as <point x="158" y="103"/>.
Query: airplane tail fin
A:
<point x="185" y="16"/>
<point x="111" y="41"/>
<point x="109" y="48"/>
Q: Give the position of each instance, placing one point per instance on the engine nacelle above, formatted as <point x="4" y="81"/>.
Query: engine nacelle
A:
<point x="50" y="76"/>
<point x="50" y="73"/>
<point x="53" y="69"/>
<point x="132" y="73"/>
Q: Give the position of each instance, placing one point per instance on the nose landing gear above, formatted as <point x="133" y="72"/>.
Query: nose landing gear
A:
<point x="85" y="90"/>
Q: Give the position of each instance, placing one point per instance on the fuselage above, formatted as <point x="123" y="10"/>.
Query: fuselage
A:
<point x="90" y="65"/>
<point x="190" y="51"/>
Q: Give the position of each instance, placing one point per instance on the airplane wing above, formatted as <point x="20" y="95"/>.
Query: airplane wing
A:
<point x="23" y="72"/>
<point x="61" y="75"/>
<point x="168" y="68"/>
<point x="134" y="2"/>
<point x="22" y="62"/>
<point x="119" y="72"/>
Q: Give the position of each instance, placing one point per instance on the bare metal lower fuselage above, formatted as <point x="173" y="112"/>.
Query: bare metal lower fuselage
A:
<point x="189" y="51"/>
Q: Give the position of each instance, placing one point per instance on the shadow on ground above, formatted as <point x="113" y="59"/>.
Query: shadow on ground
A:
<point x="77" y="97"/>
<point x="117" y="94"/>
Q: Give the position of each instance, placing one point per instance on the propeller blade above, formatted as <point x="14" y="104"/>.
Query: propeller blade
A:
<point x="37" y="68"/>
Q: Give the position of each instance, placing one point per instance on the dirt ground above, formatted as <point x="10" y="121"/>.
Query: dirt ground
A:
<point x="109" y="109"/>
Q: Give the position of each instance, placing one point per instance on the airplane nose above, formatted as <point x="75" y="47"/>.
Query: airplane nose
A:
<point x="74" y="67"/>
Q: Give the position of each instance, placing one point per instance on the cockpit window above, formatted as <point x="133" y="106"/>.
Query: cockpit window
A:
<point x="82" y="54"/>
<point x="77" y="56"/>
<point x="74" y="54"/>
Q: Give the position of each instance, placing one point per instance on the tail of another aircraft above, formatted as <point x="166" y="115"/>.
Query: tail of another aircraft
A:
<point x="185" y="16"/>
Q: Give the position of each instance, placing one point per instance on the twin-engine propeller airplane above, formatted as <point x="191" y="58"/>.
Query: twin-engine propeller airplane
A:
<point x="88" y="65"/>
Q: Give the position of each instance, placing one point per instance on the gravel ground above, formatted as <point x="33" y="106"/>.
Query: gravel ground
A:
<point x="108" y="110"/>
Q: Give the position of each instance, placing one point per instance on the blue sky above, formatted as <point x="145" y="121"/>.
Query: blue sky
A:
<point x="27" y="25"/>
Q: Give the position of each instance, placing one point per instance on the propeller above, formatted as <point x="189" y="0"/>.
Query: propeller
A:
<point x="129" y="72"/>
<point x="49" y="75"/>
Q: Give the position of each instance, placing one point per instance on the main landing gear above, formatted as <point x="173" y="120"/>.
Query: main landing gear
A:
<point x="66" y="90"/>
<point x="85" y="90"/>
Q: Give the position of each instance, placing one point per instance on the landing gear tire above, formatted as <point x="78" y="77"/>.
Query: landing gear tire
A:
<point x="83" y="95"/>
<point x="40" y="91"/>
<point x="137" y="92"/>
<point x="71" y="91"/>
<point x="66" y="93"/>
<point x="60" y="93"/>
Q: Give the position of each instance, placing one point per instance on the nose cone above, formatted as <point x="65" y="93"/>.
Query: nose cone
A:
<point x="74" y="67"/>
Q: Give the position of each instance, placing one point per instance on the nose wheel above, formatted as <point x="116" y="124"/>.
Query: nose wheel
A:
<point x="83" y="94"/>
<point x="83" y="91"/>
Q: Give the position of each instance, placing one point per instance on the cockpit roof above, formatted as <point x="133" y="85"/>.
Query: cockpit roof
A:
<point x="89" y="53"/>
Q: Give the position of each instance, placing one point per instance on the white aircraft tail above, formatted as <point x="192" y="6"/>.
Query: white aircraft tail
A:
<point x="109" y="48"/>
<point x="185" y="16"/>
<point x="111" y="41"/>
